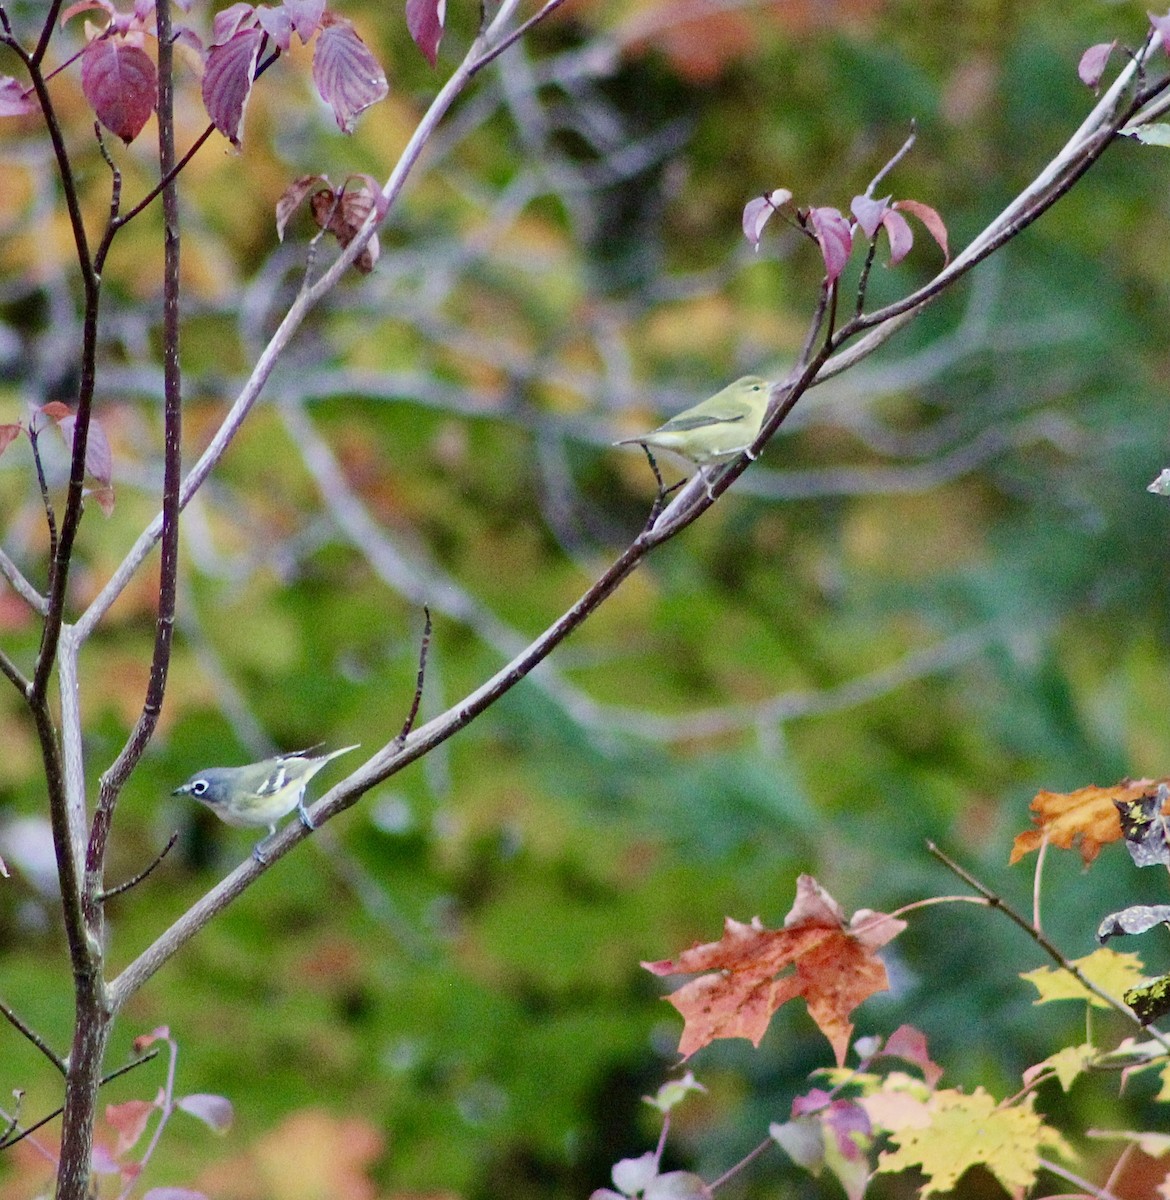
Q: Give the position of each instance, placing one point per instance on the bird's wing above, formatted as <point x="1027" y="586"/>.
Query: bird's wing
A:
<point x="685" y="421"/>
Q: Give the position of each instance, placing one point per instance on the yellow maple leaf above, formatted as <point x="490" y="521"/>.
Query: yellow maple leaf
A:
<point x="1112" y="972"/>
<point x="1068" y="1064"/>
<point x="966" y="1130"/>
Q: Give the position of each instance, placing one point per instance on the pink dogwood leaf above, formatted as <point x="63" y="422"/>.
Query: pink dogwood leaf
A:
<point x="347" y="75"/>
<point x="120" y="82"/>
<point x="424" y="19"/>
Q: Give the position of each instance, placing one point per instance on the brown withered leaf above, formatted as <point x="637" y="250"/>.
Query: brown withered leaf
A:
<point x="1089" y="813"/>
<point x="831" y="964"/>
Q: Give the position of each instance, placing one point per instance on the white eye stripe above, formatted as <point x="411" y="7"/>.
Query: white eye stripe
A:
<point x="199" y="787"/>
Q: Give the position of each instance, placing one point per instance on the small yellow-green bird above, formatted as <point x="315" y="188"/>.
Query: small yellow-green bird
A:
<point x="260" y="793"/>
<point x="716" y="430"/>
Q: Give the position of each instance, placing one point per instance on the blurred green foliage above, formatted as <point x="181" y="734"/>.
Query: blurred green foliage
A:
<point x="456" y="961"/>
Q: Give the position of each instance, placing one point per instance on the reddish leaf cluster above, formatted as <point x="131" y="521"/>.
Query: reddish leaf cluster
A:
<point x="837" y="235"/>
<point x="120" y="80"/>
<point x="347" y="75"/>
<point x="341" y="213"/>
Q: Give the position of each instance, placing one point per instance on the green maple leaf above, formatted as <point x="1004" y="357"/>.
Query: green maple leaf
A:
<point x="966" y="1130"/>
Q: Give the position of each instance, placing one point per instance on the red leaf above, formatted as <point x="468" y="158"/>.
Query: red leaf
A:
<point x="8" y="433"/>
<point x="121" y="85"/>
<point x="86" y="6"/>
<point x="935" y="225"/>
<point x="227" y="23"/>
<point x="104" y="496"/>
<point x="752" y="971"/>
<point x="835" y="238"/>
<point x="129" y="1120"/>
<point x="275" y="22"/>
<point x="145" y="1040"/>
<point x="55" y="410"/>
<point x="305" y="16"/>
<point x="14" y="100"/>
<point x="1093" y="62"/>
<point x="227" y="81"/>
<point x="909" y="1044"/>
<point x="293" y="197"/>
<point x="343" y="214"/>
<point x="900" y="235"/>
<point x="424" y="19"/>
<point x="347" y="75"/>
<point x="869" y="213"/>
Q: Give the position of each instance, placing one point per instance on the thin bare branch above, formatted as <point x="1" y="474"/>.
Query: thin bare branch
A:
<point x="700" y="724"/>
<point x="21" y="586"/>
<point x="12" y="672"/>
<point x="10" y="1014"/>
<point x="894" y="160"/>
<point x="110" y="893"/>
<point x="424" y="646"/>
<point x="1084" y="1187"/>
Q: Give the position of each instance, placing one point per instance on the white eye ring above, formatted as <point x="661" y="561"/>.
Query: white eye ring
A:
<point x="199" y="787"/>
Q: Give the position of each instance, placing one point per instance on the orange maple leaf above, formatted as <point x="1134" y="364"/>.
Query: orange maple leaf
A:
<point x="834" y="968"/>
<point x="1089" y="813"/>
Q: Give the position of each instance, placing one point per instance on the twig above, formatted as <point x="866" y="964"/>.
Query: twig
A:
<point x="46" y="32"/>
<point x="663" y="491"/>
<point x="424" y="647"/>
<point x="31" y="1034"/>
<point x="749" y="1157"/>
<point x="14" y="673"/>
<point x="1088" y="1188"/>
<point x="130" y="1066"/>
<point x="21" y="586"/>
<point x="513" y="37"/>
<point x="102" y="897"/>
<point x="901" y="153"/>
<point x="50" y="516"/>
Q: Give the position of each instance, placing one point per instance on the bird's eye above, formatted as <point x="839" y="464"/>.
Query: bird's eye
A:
<point x="199" y="787"/>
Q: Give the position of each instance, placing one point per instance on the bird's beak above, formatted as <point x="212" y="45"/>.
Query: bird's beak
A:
<point x="181" y="790"/>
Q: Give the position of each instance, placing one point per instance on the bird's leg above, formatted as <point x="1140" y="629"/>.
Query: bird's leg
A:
<point x="303" y="813"/>
<point x="707" y="482"/>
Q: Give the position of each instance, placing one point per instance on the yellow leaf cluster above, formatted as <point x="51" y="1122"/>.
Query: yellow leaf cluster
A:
<point x="969" y="1130"/>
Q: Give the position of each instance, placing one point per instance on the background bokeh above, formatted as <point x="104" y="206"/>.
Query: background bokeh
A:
<point x="941" y="589"/>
